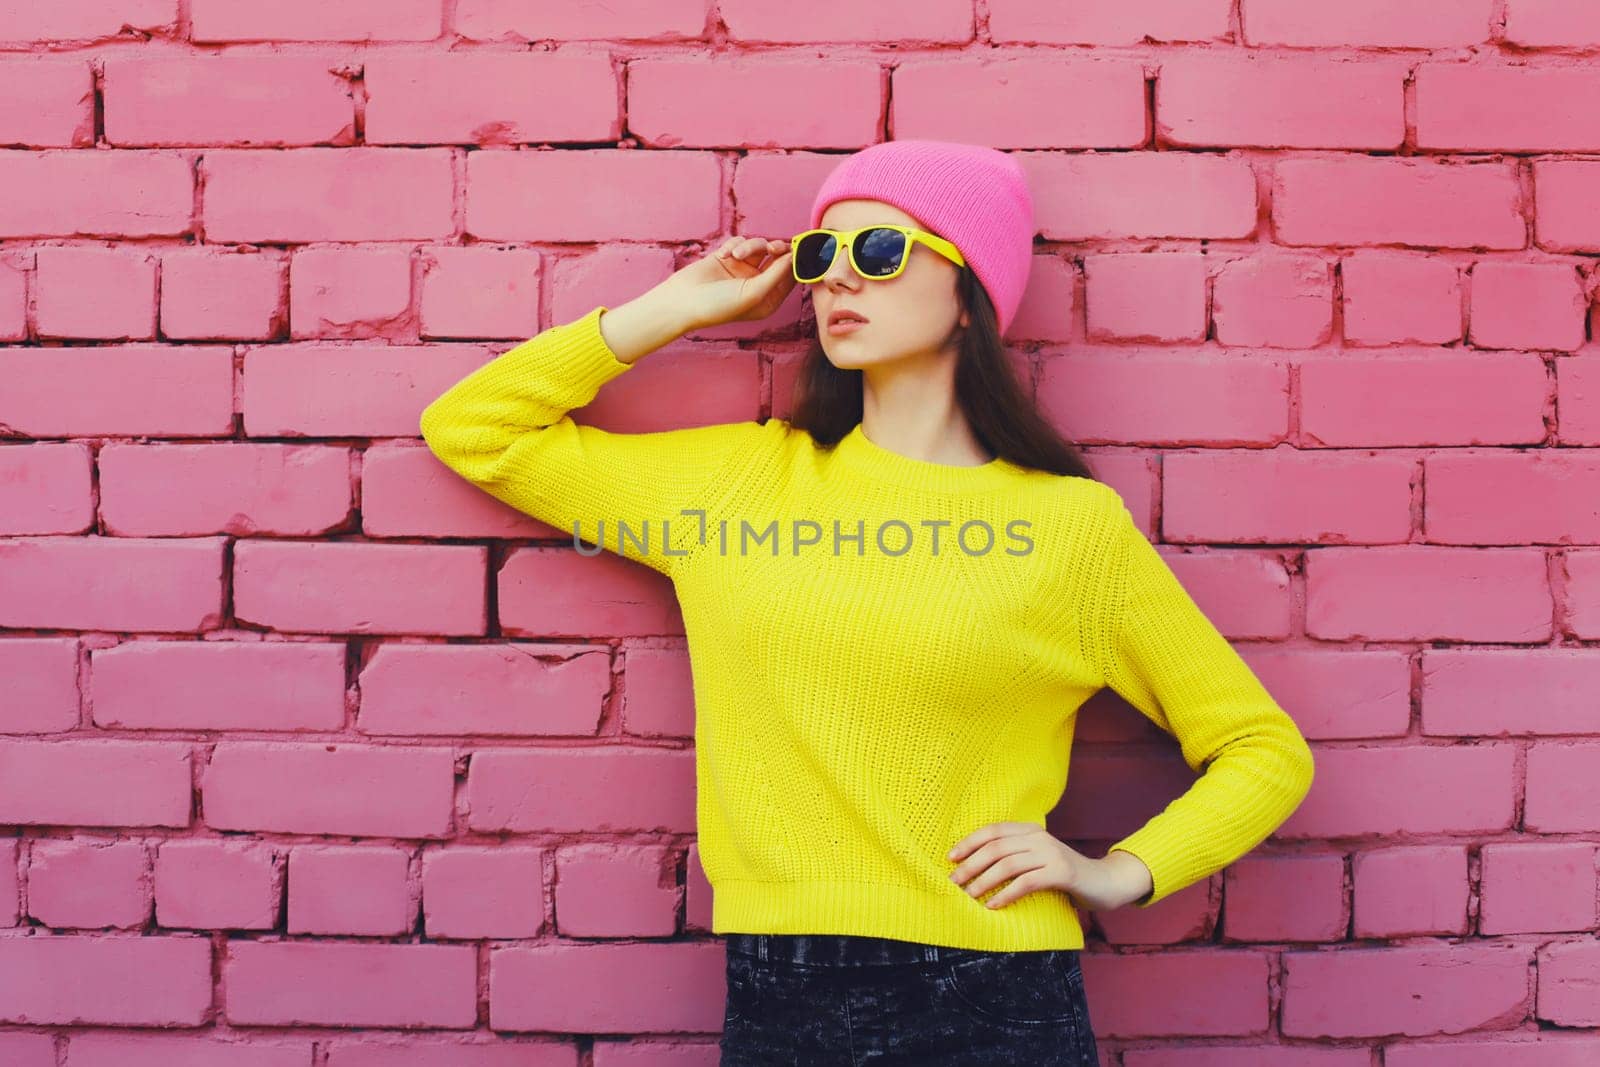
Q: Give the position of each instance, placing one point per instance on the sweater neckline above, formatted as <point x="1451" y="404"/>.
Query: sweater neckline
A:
<point x="865" y="455"/>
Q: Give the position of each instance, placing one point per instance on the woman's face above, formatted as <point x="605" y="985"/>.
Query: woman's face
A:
<point x="916" y="313"/>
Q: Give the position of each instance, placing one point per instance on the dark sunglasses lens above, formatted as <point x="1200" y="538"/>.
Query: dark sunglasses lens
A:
<point x="880" y="251"/>
<point x="813" y="255"/>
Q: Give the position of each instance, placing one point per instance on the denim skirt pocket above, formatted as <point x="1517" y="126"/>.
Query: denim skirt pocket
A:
<point x="1035" y="988"/>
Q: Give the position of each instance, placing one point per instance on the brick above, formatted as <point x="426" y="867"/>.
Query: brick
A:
<point x="143" y="389"/>
<point x="480" y="292"/>
<point x="490" y="98"/>
<point x="609" y="276"/>
<point x="1081" y="197"/>
<point x="601" y="195"/>
<point x="1108" y="22"/>
<point x="1273" y="301"/>
<point x="353" y="587"/>
<point x="133" y="1049"/>
<point x="407" y="492"/>
<point x="1416" y="991"/>
<point x="657" y="692"/>
<point x="89" y="884"/>
<point x="1338" y="693"/>
<point x="1411" y="891"/>
<point x="95" y="194"/>
<point x="1048" y="309"/>
<point x="22" y="1049"/>
<point x="616" y="890"/>
<point x="1466" y="691"/>
<point x="1367" y="23"/>
<point x="556" y="592"/>
<point x="355" y="890"/>
<point x="1227" y="993"/>
<point x="1194" y="398"/>
<point x="261" y="100"/>
<point x="764" y="100"/>
<point x="11" y="888"/>
<point x="208" y="295"/>
<point x="1527" y="305"/>
<point x="348" y="292"/>
<point x="1285" y="898"/>
<point x="41" y="688"/>
<point x="606" y="989"/>
<point x="317" y="788"/>
<point x="324" y="194"/>
<point x="1552" y="23"/>
<point x="1286" y="495"/>
<point x="1578" y="401"/>
<point x="1425" y="592"/>
<point x="1404" y="399"/>
<point x="1583" y="592"/>
<point x="1367" y="200"/>
<point x="213" y="884"/>
<point x="219" y="685"/>
<point x="1563" y="788"/>
<point x="1567" y="213"/>
<point x="1543" y="496"/>
<point x="514" y="20"/>
<point x="153" y="490"/>
<point x="106" y="981"/>
<point x="1538" y="887"/>
<point x="49" y="101"/>
<point x="306" y="983"/>
<point x="1566" y="980"/>
<point x="160" y="585"/>
<point x="609" y="789"/>
<point x="1117" y="288"/>
<point x="45" y="489"/>
<point x="87" y="20"/>
<point x="453" y="689"/>
<point x="1506" y="109"/>
<point x="483" y="892"/>
<point x="1206" y="99"/>
<point x="15" y="269"/>
<point x="1400" y="299"/>
<point x="933" y="98"/>
<point x="1191" y="914"/>
<point x="336" y="390"/>
<point x="93" y="783"/>
<point x="1392" y="789"/>
<point x="921" y="21"/>
<point x="311" y="20"/>
<point x="100" y="293"/>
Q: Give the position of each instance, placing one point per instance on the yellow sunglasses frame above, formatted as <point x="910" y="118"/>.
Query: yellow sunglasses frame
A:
<point x="847" y="239"/>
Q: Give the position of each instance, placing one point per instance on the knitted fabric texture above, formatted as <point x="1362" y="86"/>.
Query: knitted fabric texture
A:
<point x="973" y="196"/>
<point x="870" y="691"/>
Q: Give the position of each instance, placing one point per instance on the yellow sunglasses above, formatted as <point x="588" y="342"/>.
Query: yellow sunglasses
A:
<point x="878" y="252"/>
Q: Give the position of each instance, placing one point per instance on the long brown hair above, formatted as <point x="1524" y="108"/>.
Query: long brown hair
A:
<point x="828" y="400"/>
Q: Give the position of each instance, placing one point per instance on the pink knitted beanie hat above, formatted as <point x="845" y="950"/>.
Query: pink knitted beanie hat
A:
<point x="973" y="196"/>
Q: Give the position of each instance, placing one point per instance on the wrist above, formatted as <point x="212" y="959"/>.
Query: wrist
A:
<point x="1133" y="876"/>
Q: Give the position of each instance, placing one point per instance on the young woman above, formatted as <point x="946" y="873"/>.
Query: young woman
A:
<point x="895" y="600"/>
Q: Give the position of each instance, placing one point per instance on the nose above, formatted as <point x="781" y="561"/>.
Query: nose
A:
<point x="840" y="269"/>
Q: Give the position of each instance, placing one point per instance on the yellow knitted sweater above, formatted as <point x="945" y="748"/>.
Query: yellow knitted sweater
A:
<point x="886" y="653"/>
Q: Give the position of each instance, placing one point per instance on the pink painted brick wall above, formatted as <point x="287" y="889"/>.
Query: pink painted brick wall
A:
<point x="310" y="753"/>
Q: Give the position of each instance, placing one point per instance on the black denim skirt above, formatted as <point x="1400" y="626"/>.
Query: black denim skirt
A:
<point x="826" y="1000"/>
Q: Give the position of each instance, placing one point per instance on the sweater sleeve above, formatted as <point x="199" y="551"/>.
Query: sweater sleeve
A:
<point x="1167" y="659"/>
<point x="505" y="428"/>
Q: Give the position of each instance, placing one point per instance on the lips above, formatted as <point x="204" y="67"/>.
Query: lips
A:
<point x="845" y="315"/>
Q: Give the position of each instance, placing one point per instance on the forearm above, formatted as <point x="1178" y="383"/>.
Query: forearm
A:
<point x="634" y="329"/>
